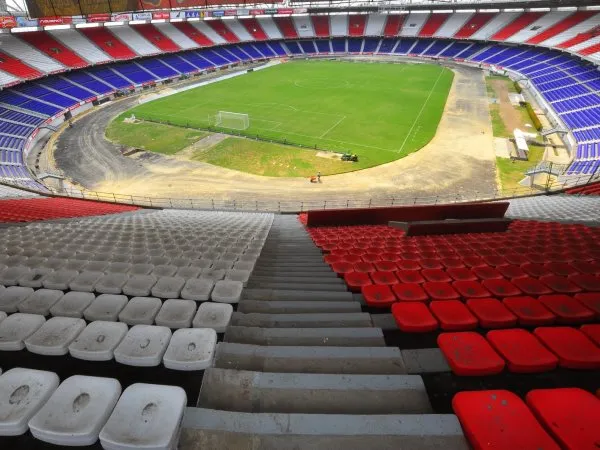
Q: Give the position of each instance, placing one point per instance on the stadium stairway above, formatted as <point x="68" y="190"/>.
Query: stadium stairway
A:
<point x="301" y="366"/>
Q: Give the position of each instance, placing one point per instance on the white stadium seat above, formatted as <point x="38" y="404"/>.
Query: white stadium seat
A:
<point x="98" y="341"/>
<point x="191" y="349"/>
<point x="227" y="291"/>
<point x="105" y="307"/>
<point x="40" y="301"/>
<point x="143" y="346"/>
<point x="54" y="336"/>
<point x="11" y="296"/>
<point x="176" y="313"/>
<point x="213" y="315"/>
<point x="18" y="327"/>
<point x="72" y="304"/>
<point x="140" y="311"/>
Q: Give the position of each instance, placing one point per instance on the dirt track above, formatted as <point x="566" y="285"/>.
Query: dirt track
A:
<point x="460" y="158"/>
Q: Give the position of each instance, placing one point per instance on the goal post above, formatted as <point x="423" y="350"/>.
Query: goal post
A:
<point x="233" y="120"/>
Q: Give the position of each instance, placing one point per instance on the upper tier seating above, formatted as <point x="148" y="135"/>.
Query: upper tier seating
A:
<point x="55" y="208"/>
<point x="55" y="49"/>
<point x="158" y="39"/>
<point x="108" y="42"/>
<point x="192" y="33"/>
<point x="17" y="67"/>
<point x="23" y="51"/>
<point x="81" y="45"/>
<point x="133" y="38"/>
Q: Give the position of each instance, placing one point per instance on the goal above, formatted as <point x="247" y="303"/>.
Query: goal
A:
<point x="235" y="121"/>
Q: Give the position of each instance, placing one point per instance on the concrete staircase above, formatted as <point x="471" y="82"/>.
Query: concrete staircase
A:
<point x="301" y="366"/>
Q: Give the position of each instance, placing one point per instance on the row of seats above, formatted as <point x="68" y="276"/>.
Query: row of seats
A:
<point x="549" y="419"/>
<point x="141" y="345"/>
<point x="28" y="210"/>
<point x="589" y="189"/>
<point x="490" y="313"/>
<point x="520" y="351"/>
<point x="91" y="408"/>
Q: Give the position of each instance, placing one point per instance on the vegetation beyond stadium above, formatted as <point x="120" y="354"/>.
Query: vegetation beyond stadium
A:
<point x="381" y="112"/>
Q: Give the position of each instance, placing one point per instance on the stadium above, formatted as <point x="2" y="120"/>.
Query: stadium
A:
<point x="300" y="225"/>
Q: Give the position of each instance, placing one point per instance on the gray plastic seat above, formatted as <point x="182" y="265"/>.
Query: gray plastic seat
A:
<point x="133" y="425"/>
<point x="143" y="346"/>
<point x="227" y="291"/>
<point x="33" y="262"/>
<point x="105" y="307"/>
<point x="140" y="311"/>
<point x="72" y="304"/>
<point x="168" y="287"/>
<point x="11" y="275"/>
<point x="18" y="327"/>
<point x="213" y="315"/>
<point x="54" y="263"/>
<point x="140" y="258"/>
<point x="244" y="265"/>
<point x="85" y="281"/>
<point x="238" y="275"/>
<point x="85" y="404"/>
<point x="102" y="256"/>
<point x="40" y="302"/>
<point x="164" y="270"/>
<point x="11" y="296"/>
<point x="97" y="342"/>
<point x="222" y="264"/>
<point x="191" y="349"/>
<point x="201" y="263"/>
<point x="83" y="256"/>
<point x="188" y="272"/>
<point x="34" y="278"/>
<point x="197" y="289"/>
<point x="95" y="266"/>
<point x="54" y="336"/>
<point x="213" y="274"/>
<point x="141" y="269"/>
<point x="139" y="285"/>
<point x="31" y="389"/>
<point x="75" y="264"/>
<point x="159" y="260"/>
<point x="59" y="279"/>
<point x="118" y="267"/>
<point x="176" y="313"/>
<point x="2" y="317"/>
<point x="111" y="283"/>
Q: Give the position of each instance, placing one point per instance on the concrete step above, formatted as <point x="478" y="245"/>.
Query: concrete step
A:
<point x="292" y="307"/>
<point x="211" y="429"/>
<point x="306" y="295"/>
<point x="248" y="391"/>
<point x="293" y="273"/>
<point x="294" y="279"/>
<point x="334" y="360"/>
<point x="314" y="286"/>
<point x="317" y="337"/>
<point x="306" y="267"/>
<point x="318" y="320"/>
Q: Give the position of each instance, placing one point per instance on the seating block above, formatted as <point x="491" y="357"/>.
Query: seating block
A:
<point x="469" y="354"/>
<point x="572" y="347"/>
<point x="523" y="352"/>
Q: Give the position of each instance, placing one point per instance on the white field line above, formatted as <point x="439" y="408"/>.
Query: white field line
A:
<point x="421" y="111"/>
<point x="332" y="127"/>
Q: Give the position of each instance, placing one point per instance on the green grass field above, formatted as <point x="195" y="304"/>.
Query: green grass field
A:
<point x="381" y="112"/>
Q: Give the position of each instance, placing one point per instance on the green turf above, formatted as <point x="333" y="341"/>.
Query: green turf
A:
<point x="273" y="160"/>
<point x="382" y="112"/>
<point x="150" y="136"/>
<point x="513" y="171"/>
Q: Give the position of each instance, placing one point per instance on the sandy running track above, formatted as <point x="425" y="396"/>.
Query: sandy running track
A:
<point x="459" y="159"/>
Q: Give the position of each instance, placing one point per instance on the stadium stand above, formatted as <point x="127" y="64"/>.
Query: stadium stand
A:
<point x="46" y="43"/>
<point x="108" y="42"/>
<point x="591" y="189"/>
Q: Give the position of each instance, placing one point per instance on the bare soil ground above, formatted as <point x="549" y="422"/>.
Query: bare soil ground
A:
<point x="510" y="115"/>
<point x="459" y="159"/>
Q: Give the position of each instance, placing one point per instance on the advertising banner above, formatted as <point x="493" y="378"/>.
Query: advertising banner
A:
<point x="270" y="11"/>
<point x="26" y="22"/>
<point x="192" y="14"/>
<point x="257" y="12"/>
<point x="177" y="15"/>
<point x="78" y="19"/>
<point x="216" y="13"/>
<point x="121" y="17"/>
<point x="243" y="12"/>
<point x="7" y="22"/>
<point x="161" y="15"/>
<point x="96" y="18"/>
<point x="45" y="21"/>
<point x="300" y="10"/>
<point x="231" y="12"/>
<point x="142" y="16"/>
<point x="285" y="11"/>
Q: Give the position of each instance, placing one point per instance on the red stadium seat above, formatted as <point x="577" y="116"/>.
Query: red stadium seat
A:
<point x="561" y="285"/>
<point x="430" y="263"/>
<point x="385" y="266"/>
<point x="572" y="347"/>
<point x="453" y="263"/>
<point x="535" y="270"/>
<point x="487" y="273"/>
<point x="405" y="264"/>
<point x="352" y="259"/>
<point x="593" y="332"/>
<point x="567" y="309"/>
<point x="587" y="267"/>
<point x="365" y="267"/>
<point x="591" y="301"/>
<point x="334" y="257"/>
<point x="386" y="278"/>
<point x="356" y="280"/>
<point x="569" y="414"/>
<point x="529" y="311"/>
<point x="473" y="261"/>
<point x="501" y="288"/>
<point x="523" y="352"/>
<point x="469" y="354"/>
<point x="440" y="291"/>
<point x="453" y="315"/>
<point x="413" y="317"/>
<point x="495" y="260"/>
<point x="436" y="275"/>
<point x="471" y="289"/>
<point x="499" y="420"/>
<point x="410" y="276"/>
<point x="511" y="271"/>
<point x="410" y="292"/>
<point x="587" y="282"/>
<point x="378" y="296"/>
<point x="515" y="258"/>
<point x="371" y="257"/>
<point x="491" y="313"/>
<point x="531" y="286"/>
<point x="341" y="267"/>
<point x="461" y="274"/>
<point x="562" y="269"/>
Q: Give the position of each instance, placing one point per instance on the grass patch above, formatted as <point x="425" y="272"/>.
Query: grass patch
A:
<point x="381" y="112"/>
<point x="273" y="160"/>
<point x="509" y="83"/>
<point x="512" y="171"/>
<point x="498" y="126"/>
<point x="153" y="137"/>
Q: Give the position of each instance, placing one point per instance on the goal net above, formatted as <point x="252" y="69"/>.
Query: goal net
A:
<point x="235" y="121"/>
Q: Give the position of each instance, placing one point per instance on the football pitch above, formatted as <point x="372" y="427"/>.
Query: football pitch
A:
<point x="379" y="111"/>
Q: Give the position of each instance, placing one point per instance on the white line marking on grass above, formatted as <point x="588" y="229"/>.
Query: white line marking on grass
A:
<point x="332" y="127"/>
<point x="421" y="111"/>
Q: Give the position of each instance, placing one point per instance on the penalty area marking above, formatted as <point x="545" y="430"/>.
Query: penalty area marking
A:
<point x="332" y="127"/>
<point x="420" y="112"/>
